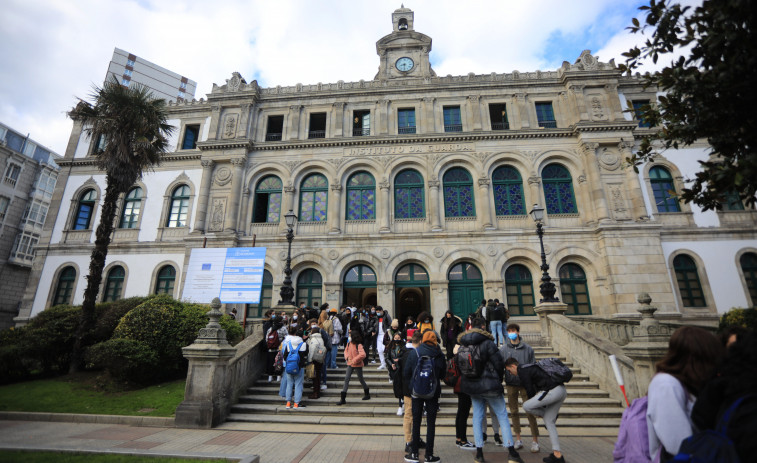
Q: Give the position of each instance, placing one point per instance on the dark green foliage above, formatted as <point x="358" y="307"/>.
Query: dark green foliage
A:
<point x="109" y="314"/>
<point x="739" y="317"/>
<point x="13" y="367"/>
<point x="709" y="92"/>
<point x="125" y="360"/>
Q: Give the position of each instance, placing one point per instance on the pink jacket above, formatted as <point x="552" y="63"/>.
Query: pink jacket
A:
<point x="354" y="355"/>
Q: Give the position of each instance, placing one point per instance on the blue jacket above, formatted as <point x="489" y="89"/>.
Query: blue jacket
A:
<point x="440" y="365"/>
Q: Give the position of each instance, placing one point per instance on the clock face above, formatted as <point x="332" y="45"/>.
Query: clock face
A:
<point x="404" y="64"/>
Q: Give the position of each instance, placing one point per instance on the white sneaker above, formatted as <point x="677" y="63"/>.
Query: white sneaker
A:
<point x="534" y="447"/>
<point x="400" y="411"/>
<point x="270" y="378"/>
<point x="373" y="361"/>
<point x="323" y="387"/>
<point x="518" y="444"/>
<point x="390" y="381"/>
<point x="381" y="367"/>
<point x="278" y="379"/>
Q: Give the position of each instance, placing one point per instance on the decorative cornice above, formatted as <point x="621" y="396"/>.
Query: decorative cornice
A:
<point x="90" y="161"/>
<point x="224" y="144"/>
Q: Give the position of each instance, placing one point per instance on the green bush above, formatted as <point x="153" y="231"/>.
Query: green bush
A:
<point x="13" y="364"/>
<point x="124" y="359"/>
<point x="739" y="317"/>
<point x="109" y="314"/>
<point x="49" y="338"/>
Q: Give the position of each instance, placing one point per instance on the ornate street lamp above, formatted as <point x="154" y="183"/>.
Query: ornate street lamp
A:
<point x="287" y="292"/>
<point x="547" y="288"/>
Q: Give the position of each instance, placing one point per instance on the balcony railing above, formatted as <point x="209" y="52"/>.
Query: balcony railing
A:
<point x="273" y="137"/>
<point x="548" y="124"/>
<point x="361" y="132"/>
<point x="453" y="127"/>
<point x="317" y="134"/>
<point x="408" y="129"/>
<point x="500" y="126"/>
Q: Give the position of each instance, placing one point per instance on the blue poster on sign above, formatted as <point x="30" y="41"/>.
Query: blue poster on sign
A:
<point x="235" y="275"/>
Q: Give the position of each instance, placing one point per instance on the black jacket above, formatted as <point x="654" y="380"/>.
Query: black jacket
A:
<point x="371" y="326"/>
<point x="534" y="379"/>
<point x="456" y="327"/>
<point x="440" y="366"/>
<point x="490" y="382"/>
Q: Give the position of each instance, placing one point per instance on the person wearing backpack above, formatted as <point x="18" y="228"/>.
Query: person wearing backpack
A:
<point x="318" y="345"/>
<point x="545" y="397"/>
<point x="497" y="320"/>
<point x="424" y="368"/>
<point x="295" y="352"/>
<point x="274" y="336"/>
<point x="482" y="370"/>
<point x="354" y="355"/>
<point x="516" y="348"/>
<point x="336" y="338"/>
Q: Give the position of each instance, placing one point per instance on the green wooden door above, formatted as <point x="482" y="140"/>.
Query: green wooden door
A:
<point x="466" y="289"/>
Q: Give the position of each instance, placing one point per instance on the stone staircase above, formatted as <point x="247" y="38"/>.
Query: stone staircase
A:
<point x="587" y="411"/>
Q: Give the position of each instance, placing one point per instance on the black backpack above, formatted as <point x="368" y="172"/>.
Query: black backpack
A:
<point x="498" y="313"/>
<point x="424" y="381"/>
<point x="469" y="361"/>
<point x="555" y="369"/>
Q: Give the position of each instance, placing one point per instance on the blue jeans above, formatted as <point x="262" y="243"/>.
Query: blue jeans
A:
<point x="295" y="382"/>
<point x="498" y="408"/>
<point x="283" y="386"/>
<point x="498" y="331"/>
<point x="332" y="357"/>
<point x="323" y="371"/>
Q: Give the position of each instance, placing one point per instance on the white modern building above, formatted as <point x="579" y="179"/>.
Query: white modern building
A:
<point x="128" y="67"/>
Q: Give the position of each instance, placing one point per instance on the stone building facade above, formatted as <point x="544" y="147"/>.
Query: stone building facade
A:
<point x="412" y="191"/>
<point x="29" y="173"/>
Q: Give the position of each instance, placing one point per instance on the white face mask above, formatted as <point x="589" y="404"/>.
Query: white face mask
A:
<point x="294" y="318"/>
<point x="313" y="326"/>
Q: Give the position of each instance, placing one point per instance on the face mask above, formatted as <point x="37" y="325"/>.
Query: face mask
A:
<point x="294" y="318"/>
<point x="313" y="326"/>
<point x="427" y="321"/>
<point x="380" y="314"/>
<point x="373" y="311"/>
<point x="512" y="336"/>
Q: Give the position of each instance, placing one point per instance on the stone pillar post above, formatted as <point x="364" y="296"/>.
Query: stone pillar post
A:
<point x="520" y="103"/>
<point x="439" y="303"/>
<point x="202" y="197"/>
<point x="485" y="204"/>
<point x="382" y="116"/>
<point x="638" y="208"/>
<point x="206" y="402"/>
<point x="384" y="207"/>
<point x="474" y="108"/>
<point x="601" y="213"/>
<point x="215" y="119"/>
<point x="543" y="310"/>
<point x="335" y="209"/>
<point x="534" y="183"/>
<point x="433" y="209"/>
<point x="428" y="118"/>
<point x="287" y="204"/>
<point x="338" y="115"/>
<point x="294" y="121"/>
<point x="385" y="298"/>
<point x="578" y="93"/>
<point x="230" y="223"/>
<point x="244" y="121"/>
<point x="241" y="225"/>
<point x="649" y="344"/>
<point x="614" y="102"/>
<point x="332" y="293"/>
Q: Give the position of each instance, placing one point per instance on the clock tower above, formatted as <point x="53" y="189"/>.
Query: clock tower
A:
<point x="404" y="53"/>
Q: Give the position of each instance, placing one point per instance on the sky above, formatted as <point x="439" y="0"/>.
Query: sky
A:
<point x="54" y="51"/>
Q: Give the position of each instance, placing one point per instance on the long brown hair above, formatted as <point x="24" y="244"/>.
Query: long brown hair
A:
<point x="693" y="357"/>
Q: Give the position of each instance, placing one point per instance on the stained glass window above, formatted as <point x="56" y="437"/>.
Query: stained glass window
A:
<point x="664" y="191"/>
<point x="267" y="206"/>
<point x="689" y="285"/>
<point x="458" y="193"/>
<point x="575" y="291"/>
<point x="114" y="284"/>
<point x="508" y="191"/>
<point x="314" y="194"/>
<point x="65" y="288"/>
<point x="166" y="280"/>
<point x="748" y="263"/>
<point x="132" y="206"/>
<point x="177" y="216"/>
<point x="558" y="190"/>
<point x="84" y="210"/>
<point x="409" y="195"/>
<point x="361" y="197"/>
<point x="309" y="287"/>
<point x="520" y="290"/>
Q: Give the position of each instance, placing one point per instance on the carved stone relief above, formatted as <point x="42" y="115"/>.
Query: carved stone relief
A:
<point x="609" y="159"/>
<point x="217" y="214"/>
<point x="597" y="111"/>
<point x="230" y="126"/>
<point x="618" y="202"/>
<point x="223" y="176"/>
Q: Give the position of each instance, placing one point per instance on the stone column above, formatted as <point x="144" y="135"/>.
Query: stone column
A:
<point x="335" y="209"/>
<point x="614" y="102"/>
<point x="230" y="223"/>
<point x="578" y="93"/>
<point x="287" y="204"/>
<point x="485" y="208"/>
<point x="543" y="310"/>
<point x="382" y="115"/>
<point x="534" y="184"/>
<point x="206" y="402"/>
<point x="433" y="209"/>
<point x="215" y="119"/>
<point x="474" y="107"/>
<point x="638" y="208"/>
<point x="294" y="121"/>
<point x="244" y="121"/>
<point x="601" y="213"/>
<point x="524" y="115"/>
<point x="338" y="116"/>
<point x="385" y="298"/>
<point x="384" y="207"/>
<point x="241" y="226"/>
<point x="202" y="197"/>
<point x="439" y="303"/>
<point x="428" y="116"/>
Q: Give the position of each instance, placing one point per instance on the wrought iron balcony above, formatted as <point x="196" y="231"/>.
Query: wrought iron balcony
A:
<point x="453" y="127"/>
<point x="273" y="137"/>
<point x="317" y="134"/>
<point x="500" y="126"/>
<point x="408" y="129"/>
<point x="548" y="124"/>
<point x="361" y="132"/>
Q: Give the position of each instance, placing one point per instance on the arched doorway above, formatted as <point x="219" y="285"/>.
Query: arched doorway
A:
<point x="411" y="292"/>
<point x="466" y="289"/>
<point x="359" y="286"/>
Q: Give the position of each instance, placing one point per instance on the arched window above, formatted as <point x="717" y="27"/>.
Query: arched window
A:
<point x="458" y="193"/>
<point x="114" y="284"/>
<point x="166" y="280"/>
<point x="575" y="291"/>
<point x="360" y="274"/>
<point x="689" y="285"/>
<point x="132" y="207"/>
<point x="409" y="195"/>
<point x="558" y="190"/>
<point x="84" y="210"/>
<point x="402" y="24"/>
<point x="64" y="290"/>
<point x="267" y="208"/>
<point x="748" y="263"/>
<point x="179" y="208"/>
<point x="411" y="275"/>
<point x="520" y="290"/>
<point x="664" y="191"/>
<point x="309" y="289"/>
<point x="361" y="197"/>
<point x="314" y="195"/>
<point x="508" y="191"/>
<point x="266" y="297"/>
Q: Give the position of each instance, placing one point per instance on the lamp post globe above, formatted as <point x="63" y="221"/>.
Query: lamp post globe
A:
<point x="547" y="288"/>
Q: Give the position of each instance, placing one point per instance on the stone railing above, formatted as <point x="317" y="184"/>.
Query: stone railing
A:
<point x="618" y="331"/>
<point x="247" y="364"/>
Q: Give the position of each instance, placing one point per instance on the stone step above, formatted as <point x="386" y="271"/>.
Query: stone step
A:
<point x="383" y="383"/>
<point x="377" y="375"/>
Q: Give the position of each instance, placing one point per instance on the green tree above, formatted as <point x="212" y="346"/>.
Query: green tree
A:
<point x="132" y="130"/>
<point x="709" y="92"/>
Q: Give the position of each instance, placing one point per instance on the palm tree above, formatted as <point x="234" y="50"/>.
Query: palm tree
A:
<point x="131" y="127"/>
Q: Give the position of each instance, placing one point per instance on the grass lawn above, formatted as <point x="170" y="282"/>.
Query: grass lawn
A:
<point x="64" y="457"/>
<point x="86" y="393"/>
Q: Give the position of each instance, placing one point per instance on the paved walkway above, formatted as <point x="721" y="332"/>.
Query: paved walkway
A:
<point x="270" y="447"/>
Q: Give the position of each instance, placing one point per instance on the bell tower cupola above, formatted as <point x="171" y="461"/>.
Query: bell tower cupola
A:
<point x="404" y="54"/>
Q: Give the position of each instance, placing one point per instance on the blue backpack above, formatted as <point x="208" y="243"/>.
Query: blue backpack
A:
<point x="711" y="446"/>
<point x="424" y="381"/>
<point x="293" y="359"/>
